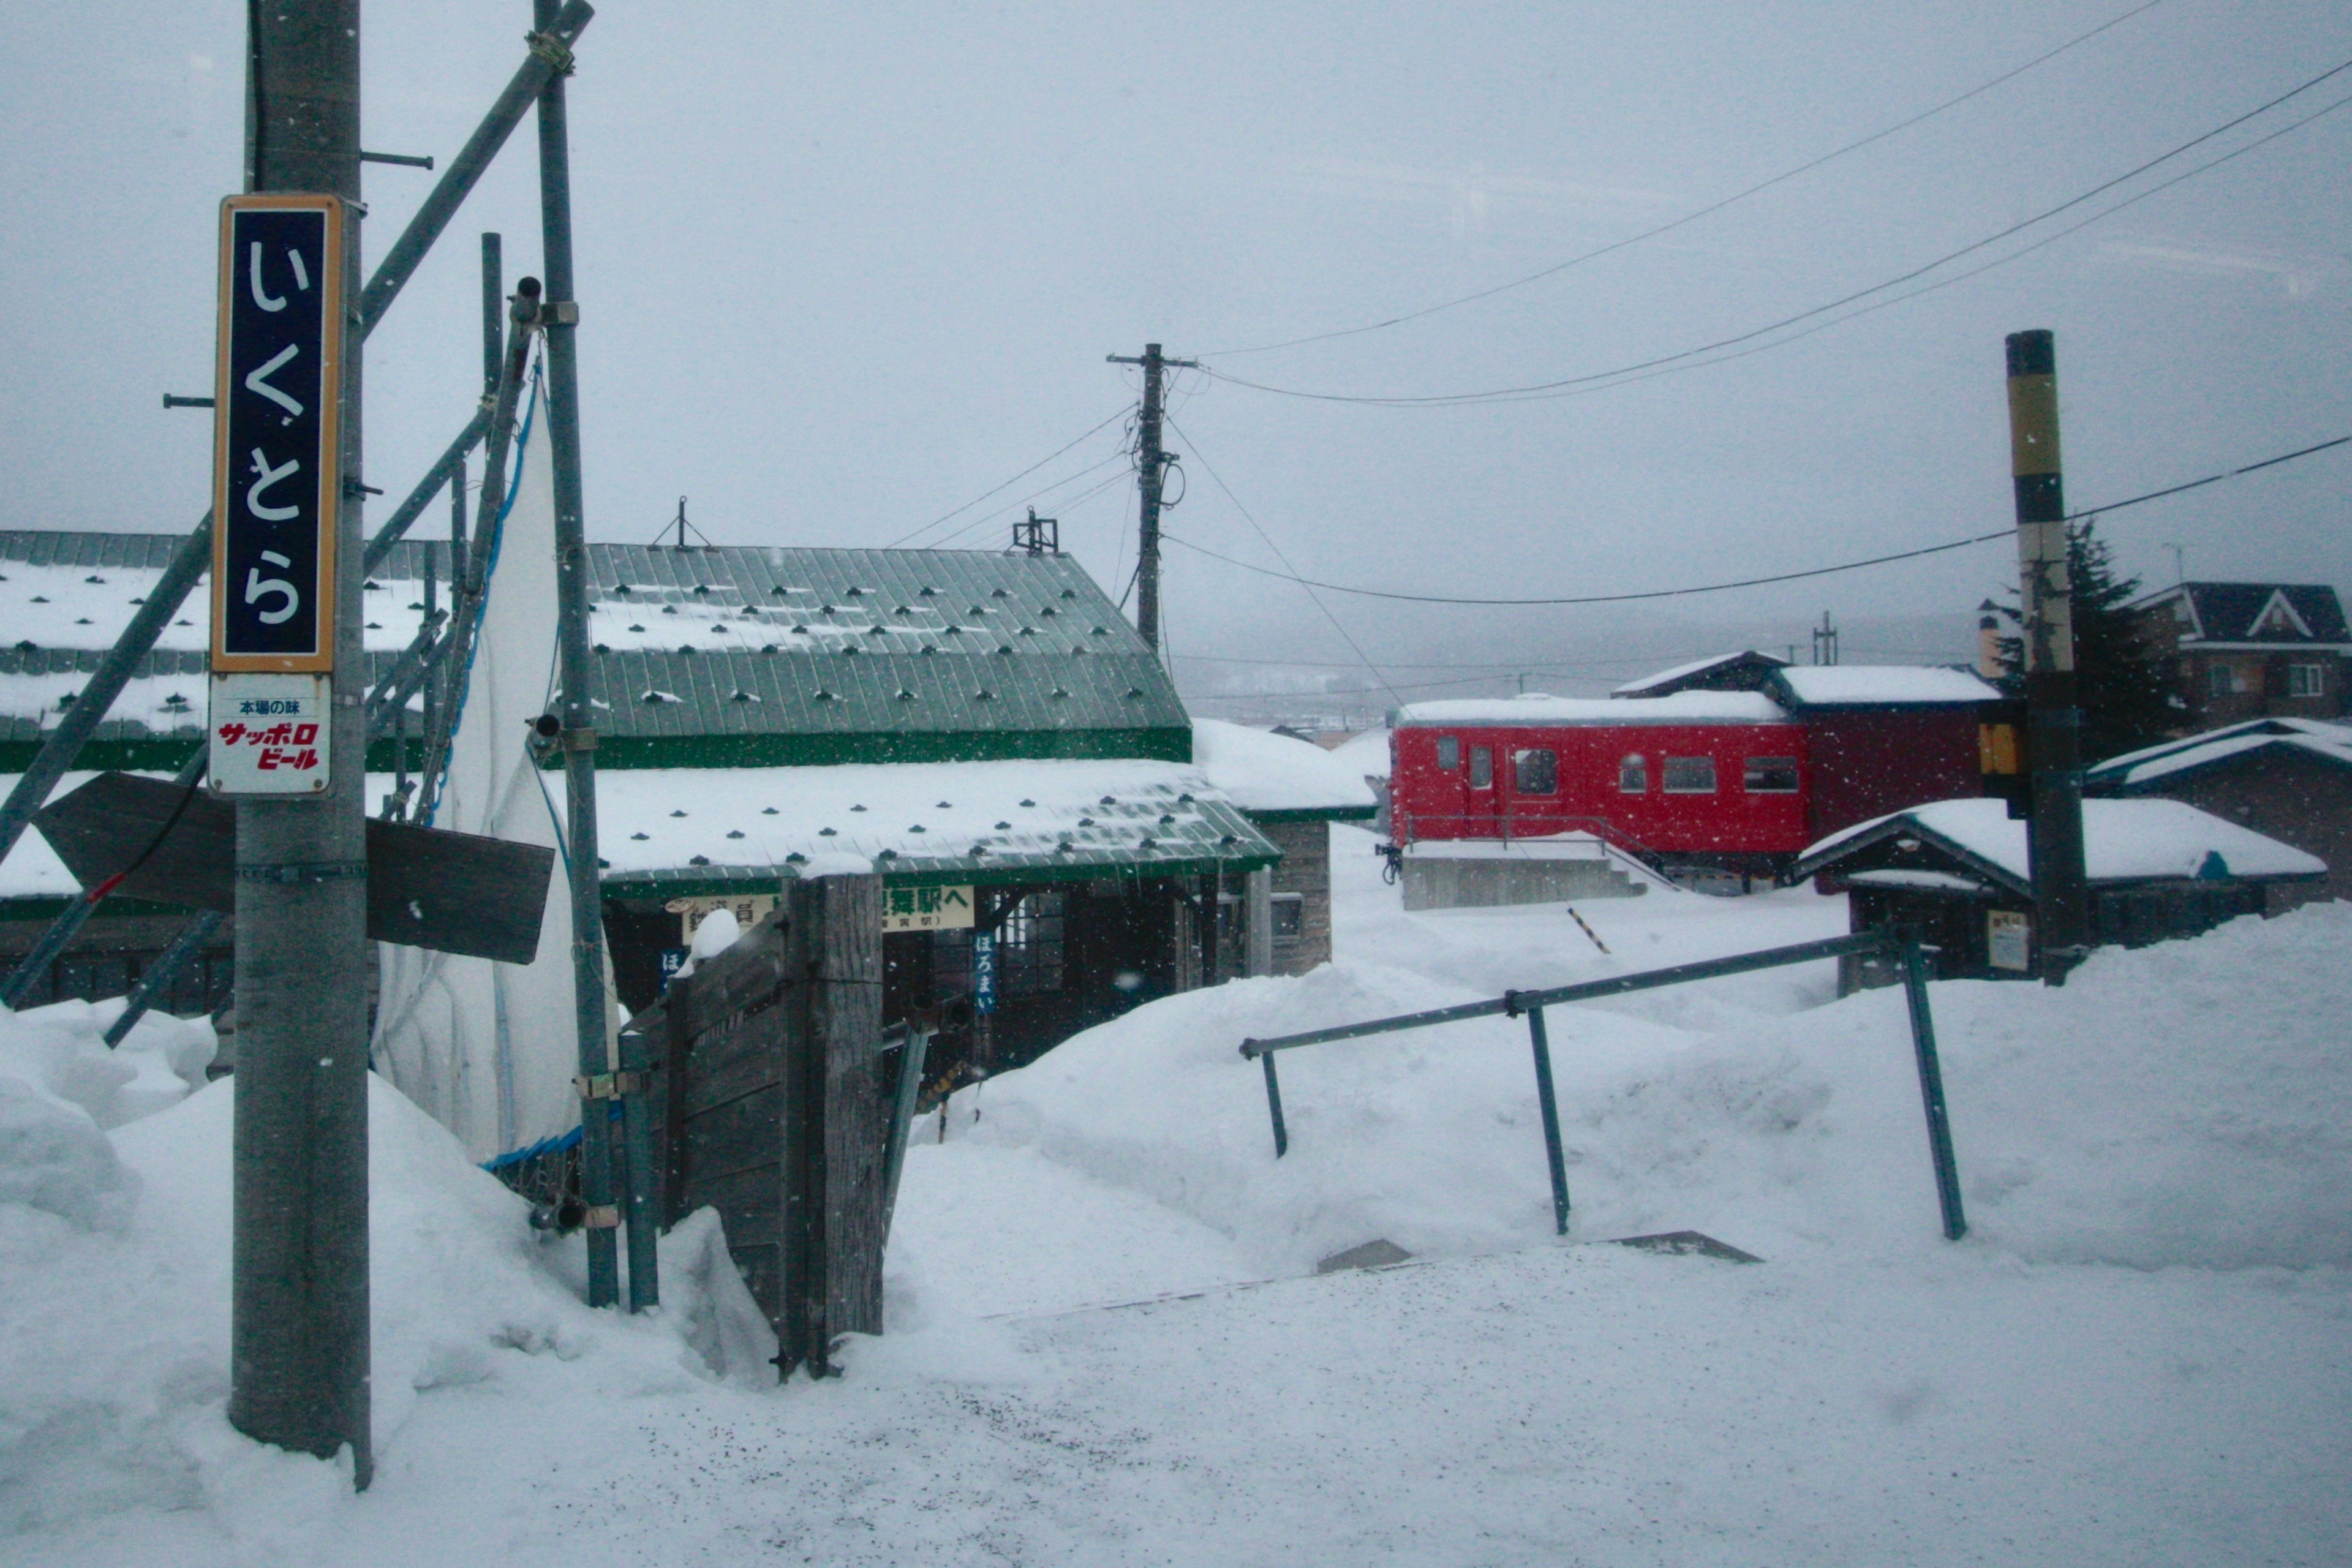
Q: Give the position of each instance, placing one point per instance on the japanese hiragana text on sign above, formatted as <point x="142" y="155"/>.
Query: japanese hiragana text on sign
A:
<point x="276" y="465"/>
<point x="984" y="971"/>
<point x="270" y="734"/>
<point x="926" y="908"/>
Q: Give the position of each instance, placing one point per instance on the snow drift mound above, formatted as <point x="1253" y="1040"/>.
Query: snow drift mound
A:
<point x="113" y="1347"/>
<point x="2167" y="1107"/>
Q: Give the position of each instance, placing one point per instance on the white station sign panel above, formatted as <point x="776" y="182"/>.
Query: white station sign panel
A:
<point x="268" y="734"/>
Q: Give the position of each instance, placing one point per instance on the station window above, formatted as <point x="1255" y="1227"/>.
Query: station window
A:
<point x="2221" y="680"/>
<point x="1028" y="950"/>
<point x="1482" y="767"/>
<point x="1771" y="776"/>
<point x="2307" y="681"/>
<point x="1449" y="753"/>
<point x="1535" y="771"/>
<point x="1633" y="774"/>
<point x="1689" y="775"/>
<point x="1289" y="916"/>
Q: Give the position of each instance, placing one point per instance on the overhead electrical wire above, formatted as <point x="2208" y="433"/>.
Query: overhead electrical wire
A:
<point x="1291" y="576"/>
<point x="1690" y="218"/>
<point x="1536" y="389"/>
<point x="1344" y="635"/>
<point x="1978" y="271"/>
<point x="1122" y="413"/>
<point x="987" y="517"/>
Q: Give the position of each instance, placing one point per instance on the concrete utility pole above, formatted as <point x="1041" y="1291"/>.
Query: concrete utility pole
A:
<point x="1150" y="472"/>
<point x="2053" y="723"/>
<point x="298" y="1312"/>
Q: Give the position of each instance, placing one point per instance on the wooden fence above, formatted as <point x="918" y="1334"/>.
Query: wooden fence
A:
<point x="776" y="1098"/>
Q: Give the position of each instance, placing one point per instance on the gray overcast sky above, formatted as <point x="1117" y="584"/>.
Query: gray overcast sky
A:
<point x="842" y="272"/>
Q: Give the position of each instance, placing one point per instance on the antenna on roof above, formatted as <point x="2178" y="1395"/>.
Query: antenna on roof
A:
<point x="1038" y="535"/>
<point x="680" y="523"/>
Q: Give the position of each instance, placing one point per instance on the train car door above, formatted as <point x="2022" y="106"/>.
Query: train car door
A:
<point x="1482" y="799"/>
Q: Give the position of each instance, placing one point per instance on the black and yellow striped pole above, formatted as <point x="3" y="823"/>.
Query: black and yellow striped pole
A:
<point x="2054" y="721"/>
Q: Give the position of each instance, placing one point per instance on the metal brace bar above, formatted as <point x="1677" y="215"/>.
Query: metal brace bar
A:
<point x="1558" y="1162"/>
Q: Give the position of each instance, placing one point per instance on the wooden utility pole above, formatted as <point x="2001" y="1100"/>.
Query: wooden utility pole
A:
<point x="2054" y="855"/>
<point x="298" y="1312"/>
<point x="1150" y="472"/>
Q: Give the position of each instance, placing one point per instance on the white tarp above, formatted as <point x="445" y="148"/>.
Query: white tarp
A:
<point x="489" y="1049"/>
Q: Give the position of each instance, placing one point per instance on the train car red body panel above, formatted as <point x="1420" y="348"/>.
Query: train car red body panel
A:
<point x="1706" y="777"/>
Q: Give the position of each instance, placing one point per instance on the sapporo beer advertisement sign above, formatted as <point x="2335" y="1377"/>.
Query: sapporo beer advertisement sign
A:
<point x="275" y="459"/>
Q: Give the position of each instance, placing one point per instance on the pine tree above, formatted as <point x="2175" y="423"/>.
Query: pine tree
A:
<point x="2124" y="686"/>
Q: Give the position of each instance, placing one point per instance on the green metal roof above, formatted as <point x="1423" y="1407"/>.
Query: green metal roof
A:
<point x="728" y="656"/>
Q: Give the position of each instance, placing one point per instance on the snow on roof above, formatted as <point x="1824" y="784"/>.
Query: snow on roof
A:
<point x="902" y="817"/>
<point x="910" y="817"/>
<point x="2123" y="840"/>
<point x="1667" y="676"/>
<point x="1539" y="708"/>
<point x="2314" y="736"/>
<point x="1260" y="771"/>
<point x="1367" y="755"/>
<point x="1828" y="685"/>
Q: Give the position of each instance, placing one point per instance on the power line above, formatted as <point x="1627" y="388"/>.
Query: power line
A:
<point x="1691" y="217"/>
<point x="1035" y="495"/>
<point x="1760" y="582"/>
<point x="1008" y="484"/>
<point x="1509" y="393"/>
<point x="1278" y="556"/>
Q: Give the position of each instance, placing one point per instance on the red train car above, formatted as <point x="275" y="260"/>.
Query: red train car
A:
<point x="1715" y="779"/>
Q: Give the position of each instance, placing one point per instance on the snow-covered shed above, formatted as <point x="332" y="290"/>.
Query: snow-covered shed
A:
<point x="1291" y="791"/>
<point x="1954" y="873"/>
<point x="2290" y="778"/>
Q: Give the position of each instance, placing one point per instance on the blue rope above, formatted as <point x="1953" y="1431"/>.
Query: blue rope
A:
<point x="497" y="532"/>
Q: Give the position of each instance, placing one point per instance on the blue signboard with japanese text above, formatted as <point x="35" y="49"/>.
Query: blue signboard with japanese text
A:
<point x="984" y="971"/>
<point x="276" y="460"/>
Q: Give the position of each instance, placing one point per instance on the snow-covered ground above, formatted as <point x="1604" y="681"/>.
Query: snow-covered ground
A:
<point x="1108" y="1343"/>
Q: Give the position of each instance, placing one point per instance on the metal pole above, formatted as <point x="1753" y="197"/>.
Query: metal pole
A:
<point x="161" y="973"/>
<point x="494" y="314"/>
<point x="466" y="603"/>
<point x="1551" y="1108"/>
<point x="562" y="315"/>
<point x="550" y="58"/>
<point x="444" y="468"/>
<point x="75" y="915"/>
<point x="1931" y="1092"/>
<point x="191" y="561"/>
<point x="2054" y="854"/>
<point x="1274" y="1107"/>
<point x="298" y="1312"/>
<point x="912" y="1055"/>
<point x="639" y="1215"/>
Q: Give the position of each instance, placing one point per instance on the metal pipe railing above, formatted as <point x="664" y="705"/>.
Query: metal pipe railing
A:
<point x="1513" y="1003"/>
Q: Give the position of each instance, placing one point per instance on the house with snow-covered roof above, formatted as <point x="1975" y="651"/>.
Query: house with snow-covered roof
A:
<point x="1954" y="875"/>
<point x="2250" y="651"/>
<point x="2289" y="778"/>
<point x="984" y="730"/>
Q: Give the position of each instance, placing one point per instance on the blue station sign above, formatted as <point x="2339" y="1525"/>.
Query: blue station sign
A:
<point x="277" y="436"/>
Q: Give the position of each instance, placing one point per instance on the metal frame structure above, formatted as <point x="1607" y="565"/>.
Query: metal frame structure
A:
<point x="1531" y="1003"/>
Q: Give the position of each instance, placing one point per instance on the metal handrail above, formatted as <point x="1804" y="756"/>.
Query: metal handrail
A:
<point x="1513" y="1003"/>
<point x="1610" y="835"/>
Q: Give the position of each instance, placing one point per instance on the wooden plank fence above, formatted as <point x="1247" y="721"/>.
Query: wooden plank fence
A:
<point x="773" y="1095"/>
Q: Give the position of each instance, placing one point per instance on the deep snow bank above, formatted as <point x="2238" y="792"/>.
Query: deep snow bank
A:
<point x="2169" y="1106"/>
<point x="114" y="1341"/>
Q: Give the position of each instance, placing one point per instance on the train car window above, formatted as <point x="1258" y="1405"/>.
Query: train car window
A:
<point x="1482" y="767"/>
<point x="1771" y="776"/>
<point x="1633" y="774"/>
<point x="1449" y="753"/>
<point x="1535" y="771"/>
<point x="1690" y="775"/>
